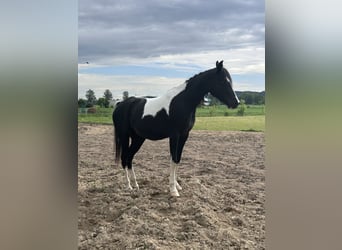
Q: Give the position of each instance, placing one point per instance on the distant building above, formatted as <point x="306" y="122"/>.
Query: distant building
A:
<point x="113" y="102"/>
<point x="206" y="101"/>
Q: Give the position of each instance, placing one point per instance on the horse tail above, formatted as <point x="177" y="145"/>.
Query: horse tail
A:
<point x="116" y="117"/>
<point x="118" y="146"/>
<point x="121" y="129"/>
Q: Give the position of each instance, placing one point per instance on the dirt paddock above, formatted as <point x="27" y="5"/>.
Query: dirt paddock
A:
<point x="221" y="206"/>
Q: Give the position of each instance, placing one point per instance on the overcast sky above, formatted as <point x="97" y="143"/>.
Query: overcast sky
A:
<point x="147" y="47"/>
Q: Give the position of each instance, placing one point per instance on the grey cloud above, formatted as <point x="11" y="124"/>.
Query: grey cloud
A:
<point x="141" y="29"/>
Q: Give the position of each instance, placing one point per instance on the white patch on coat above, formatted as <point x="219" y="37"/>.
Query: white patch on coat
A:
<point x="154" y="105"/>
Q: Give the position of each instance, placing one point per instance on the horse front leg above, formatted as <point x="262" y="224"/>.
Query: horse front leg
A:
<point x="177" y="184"/>
<point x="176" y="149"/>
<point x="173" y="175"/>
<point x="172" y="180"/>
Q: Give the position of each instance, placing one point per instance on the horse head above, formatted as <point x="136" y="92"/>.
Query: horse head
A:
<point x="221" y="86"/>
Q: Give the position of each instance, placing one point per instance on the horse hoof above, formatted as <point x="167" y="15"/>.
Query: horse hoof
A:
<point x="129" y="187"/>
<point x="174" y="193"/>
<point x="178" y="187"/>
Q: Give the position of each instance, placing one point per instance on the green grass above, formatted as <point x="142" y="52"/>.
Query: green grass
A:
<point x="217" y="118"/>
<point x="95" y="119"/>
<point x="102" y="116"/>
<point x="222" y="110"/>
<point x="235" y="123"/>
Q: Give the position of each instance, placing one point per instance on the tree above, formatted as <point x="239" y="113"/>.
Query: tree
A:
<point x="108" y="95"/>
<point x="252" y="97"/>
<point x="107" y="98"/>
<point x="125" y="95"/>
<point x="81" y="103"/>
<point x="102" y="102"/>
<point x="242" y="108"/>
<point x="91" y="98"/>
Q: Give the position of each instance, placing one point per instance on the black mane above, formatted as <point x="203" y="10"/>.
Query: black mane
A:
<point x="195" y="77"/>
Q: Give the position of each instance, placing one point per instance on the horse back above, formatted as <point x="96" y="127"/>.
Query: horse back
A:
<point x="123" y="112"/>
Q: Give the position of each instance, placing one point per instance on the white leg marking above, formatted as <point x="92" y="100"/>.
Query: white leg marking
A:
<point x="173" y="189"/>
<point x="177" y="184"/>
<point x="134" y="178"/>
<point x="128" y="181"/>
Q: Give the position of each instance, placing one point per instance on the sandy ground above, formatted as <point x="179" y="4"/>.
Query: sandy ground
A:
<point x="221" y="206"/>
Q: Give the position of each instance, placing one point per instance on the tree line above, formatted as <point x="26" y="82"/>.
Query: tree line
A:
<point x="104" y="101"/>
<point x="91" y="99"/>
<point x="249" y="98"/>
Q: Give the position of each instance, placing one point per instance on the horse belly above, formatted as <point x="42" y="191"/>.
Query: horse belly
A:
<point x="152" y="129"/>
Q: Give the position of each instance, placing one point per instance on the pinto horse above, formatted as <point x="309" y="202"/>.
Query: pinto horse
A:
<point x="171" y="115"/>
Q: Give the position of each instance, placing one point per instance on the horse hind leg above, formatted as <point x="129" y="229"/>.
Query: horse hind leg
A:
<point x="128" y="180"/>
<point x="133" y="149"/>
<point x="131" y="175"/>
<point x="124" y="159"/>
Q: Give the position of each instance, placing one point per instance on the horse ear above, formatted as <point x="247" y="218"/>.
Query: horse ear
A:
<point x="219" y="66"/>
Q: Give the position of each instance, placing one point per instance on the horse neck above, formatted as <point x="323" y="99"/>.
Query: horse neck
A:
<point x="196" y="89"/>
